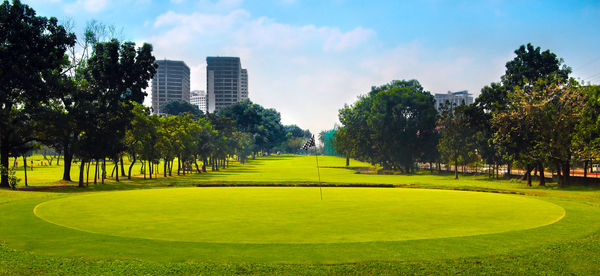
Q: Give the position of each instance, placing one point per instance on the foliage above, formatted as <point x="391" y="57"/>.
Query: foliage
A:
<point x="179" y="107"/>
<point x="392" y="125"/>
<point x="587" y="134"/>
<point x="457" y="138"/>
<point x="531" y="64"/>
<point x="539" y="123"/>
<point x="32" y="52"/>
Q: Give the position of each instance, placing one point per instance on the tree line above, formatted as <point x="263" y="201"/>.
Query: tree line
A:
<point x="536" y="117"/>
<point x="82" y="96"/>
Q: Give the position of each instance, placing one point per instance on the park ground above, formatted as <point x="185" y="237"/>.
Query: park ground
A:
<point x="528" y="230"/>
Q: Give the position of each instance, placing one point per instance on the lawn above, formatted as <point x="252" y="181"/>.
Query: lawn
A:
<point x="176" y="225"/>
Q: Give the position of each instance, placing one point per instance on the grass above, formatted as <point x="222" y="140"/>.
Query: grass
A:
<point x="296" y="215"/>
<point x="290" y="231"/>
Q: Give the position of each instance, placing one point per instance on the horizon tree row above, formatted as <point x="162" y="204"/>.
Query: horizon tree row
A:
<point x="536" y="117"/>
<point x="82" y="96"/>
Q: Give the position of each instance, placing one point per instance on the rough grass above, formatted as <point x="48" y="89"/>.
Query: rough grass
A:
<point x="570" y="246"/>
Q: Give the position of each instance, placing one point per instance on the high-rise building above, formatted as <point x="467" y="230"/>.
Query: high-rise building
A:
<point x="244" y="78"/>
<point x="198" y="98"/>
<point x="454" y="98"/>
<point x="224" y="82"/>
<point x="171" y="82"/>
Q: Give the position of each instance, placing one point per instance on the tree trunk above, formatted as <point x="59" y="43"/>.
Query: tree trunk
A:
<point x="87" y="175"/>
<point x="527" y="172"/>
<point x="585" y="168"/>
<point x="96" y="173"/>
<point x="542" y="176"/>
<point x="347" y="159"/>
<point x="25" y="168"/>
<point x="497" y="170"/>
<point x="58" y="160"/>
<point x="165" y="167"/>
<point x="103" y="169"/>
<point x="204" y="161"/>
<point x="455" y="168"/>
<point x="509" y="169"/>
<point x="122" y="166"/>
<point x="144" y="168"/>
<point x="131" y="166"/>
<point x="196" y="163"/>
<point x="150" y="172"/>
<point x="67" y="166"/>
<point x="566" y="173"/>
<point x="81" y="170"/>
<point x="117" y="169"/>
<point x="528" y="176"/>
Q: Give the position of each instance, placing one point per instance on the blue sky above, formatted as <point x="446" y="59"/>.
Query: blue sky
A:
<point x="308" y="58"/>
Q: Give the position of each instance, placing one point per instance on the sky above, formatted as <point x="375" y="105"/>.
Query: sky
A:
<point x="307" y="58"/>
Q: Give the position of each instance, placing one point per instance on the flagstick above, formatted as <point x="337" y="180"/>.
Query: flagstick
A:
<point x="319" y="173"/>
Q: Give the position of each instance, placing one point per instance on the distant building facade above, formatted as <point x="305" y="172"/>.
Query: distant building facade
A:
<point x="198" y="98"/>
<point x="244" y="78"/>
<point x="455" y="98"/>
<point x="225" y="82"/>
<point x="171" y="82"/>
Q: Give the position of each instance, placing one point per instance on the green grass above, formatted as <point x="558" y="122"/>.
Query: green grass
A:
<point x="290" y="231"/>
<point x="297" y="215"/>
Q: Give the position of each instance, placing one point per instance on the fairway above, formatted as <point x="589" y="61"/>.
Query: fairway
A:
<point x="266" y="215"/>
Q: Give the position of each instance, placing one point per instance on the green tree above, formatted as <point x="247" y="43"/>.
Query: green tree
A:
<point x="179" y="107"/>
<point x="456" y="143"/>
<point x="392" y="124"/>
<point x="587" y="135"/>
<point x="32" y="50"/>
<point x="531" y="64"/>
<point x="528" y="66"/>
<point x="539" y="124"/>
<point x="116" y="76"/>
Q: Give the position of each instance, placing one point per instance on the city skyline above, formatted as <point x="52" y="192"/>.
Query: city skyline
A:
<point x="309" y="58"/>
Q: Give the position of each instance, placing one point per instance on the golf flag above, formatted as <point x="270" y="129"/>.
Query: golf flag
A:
<point x="310" y="143"/>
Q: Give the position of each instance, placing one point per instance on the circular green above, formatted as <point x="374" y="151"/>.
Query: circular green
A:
<point x="297" y="215"/>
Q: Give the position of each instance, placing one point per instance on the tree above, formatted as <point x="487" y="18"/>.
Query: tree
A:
<point x="539" y="124"/>
<point x="531" y="64"/>
<point x="587" y="135"/>
<point x="391" y="125"/>
<point x="179" y="107"/>
<point x="525" y="70"/>
<point x="62" y="120"/>
<point x="116" y="76"/>
<point x="263" y="123"/>
<point x="456" y="137"/>
<point x="32" y="51"/>
<point x="342" y="143"/>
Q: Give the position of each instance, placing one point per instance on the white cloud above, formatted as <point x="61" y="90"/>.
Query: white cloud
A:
<point x="91" y="6"/>
<point x="309" y="72"/>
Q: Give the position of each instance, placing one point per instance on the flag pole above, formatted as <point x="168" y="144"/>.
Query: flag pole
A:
<point x="318" y="173"/>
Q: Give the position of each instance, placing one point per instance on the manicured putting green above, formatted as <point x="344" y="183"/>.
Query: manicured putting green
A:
<point x="297" y="215"/>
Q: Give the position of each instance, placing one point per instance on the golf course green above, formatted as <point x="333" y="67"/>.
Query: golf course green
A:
<point x="267" y="217"/>
<point x="297" y="215"/>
